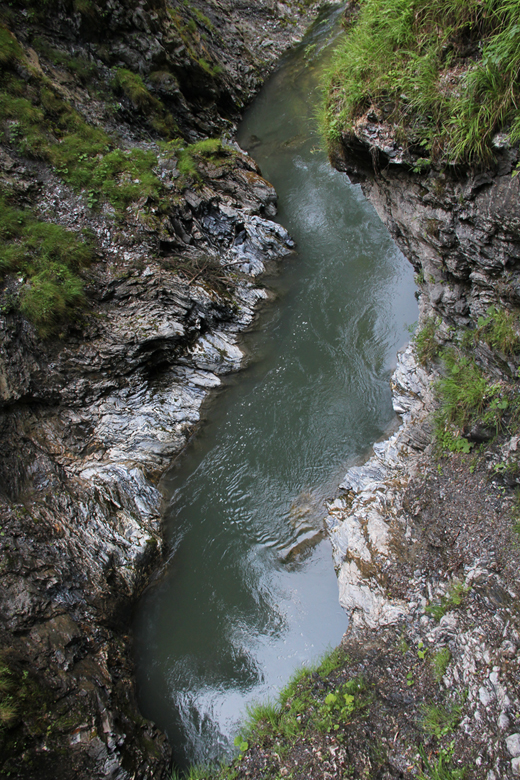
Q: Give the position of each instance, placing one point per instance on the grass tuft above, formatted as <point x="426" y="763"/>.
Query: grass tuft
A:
<point x="444" y="73"/>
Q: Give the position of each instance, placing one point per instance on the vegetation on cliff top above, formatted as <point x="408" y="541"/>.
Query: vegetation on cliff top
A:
<point x="39" y="122"/>
<point x="443" y="72"/>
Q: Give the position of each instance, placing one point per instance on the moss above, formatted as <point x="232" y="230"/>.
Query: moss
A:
<point x="48" y="258"/>
<point x="132" y="85"/>
<point x="10" y="49"/>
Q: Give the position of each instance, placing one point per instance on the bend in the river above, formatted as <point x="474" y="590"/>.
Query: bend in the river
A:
<point x="250" y="593"/>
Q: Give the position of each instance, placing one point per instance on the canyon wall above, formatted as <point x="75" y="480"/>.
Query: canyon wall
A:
<point x="95" y="403"/>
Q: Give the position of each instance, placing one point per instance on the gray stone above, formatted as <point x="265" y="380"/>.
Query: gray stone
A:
<point x="513" y="745"/>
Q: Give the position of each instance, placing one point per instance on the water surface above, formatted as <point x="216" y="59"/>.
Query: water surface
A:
<point x="241" y="606"/>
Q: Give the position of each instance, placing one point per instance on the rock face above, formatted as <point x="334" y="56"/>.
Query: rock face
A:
<point x="424" y="547"/>
<point x="91" y="418"/>
<point x="459" y="229"/>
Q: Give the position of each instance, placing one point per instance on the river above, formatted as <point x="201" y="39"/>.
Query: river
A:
<point x="250" y="592"/>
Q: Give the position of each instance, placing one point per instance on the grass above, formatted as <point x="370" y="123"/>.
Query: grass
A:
<point x="467" y="397"/>
<point x="425" y="345"/>
<point x="440" y="767"/>
<point x="440" y="662"/>
<point x="301" y="707"/>
<point x="443" y="72"/>
<point x="48" y="258"/>
<point x="499" y="329"/>
<point x="454" y="597"/>
<point x="439" y="721"/>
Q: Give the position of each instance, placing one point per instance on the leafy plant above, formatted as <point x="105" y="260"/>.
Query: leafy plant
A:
<point x="340" y="704"/>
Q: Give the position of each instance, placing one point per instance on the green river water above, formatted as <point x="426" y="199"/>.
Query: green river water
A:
<point x="236" y="612"/>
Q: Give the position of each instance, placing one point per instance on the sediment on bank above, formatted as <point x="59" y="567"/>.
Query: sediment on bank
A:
<point x="133" y="230"/>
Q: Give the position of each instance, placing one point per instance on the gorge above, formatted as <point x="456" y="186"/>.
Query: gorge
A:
<point x="114" y="325"/>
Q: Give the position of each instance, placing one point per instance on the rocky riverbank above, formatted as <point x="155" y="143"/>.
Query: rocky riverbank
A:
<point x="102" y="381"/>
<point x="425" y="534"/>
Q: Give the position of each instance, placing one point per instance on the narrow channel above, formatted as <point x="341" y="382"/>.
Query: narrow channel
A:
<point x="250" y="593"/>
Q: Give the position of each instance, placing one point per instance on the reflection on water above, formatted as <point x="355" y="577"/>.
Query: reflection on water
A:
<point x="250" y="592"/>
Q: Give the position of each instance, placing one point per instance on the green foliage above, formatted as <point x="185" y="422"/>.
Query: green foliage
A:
<point x="425" y="345"/>
<point x="441" y="767"/>
<point x="440" y="721"/>
<point x="440" y="662"/>
<point x="331" y="661"/>
<point x="453" y="598"/>
<point x="189" y="156"/>
<point x="407" y="58"/>
<point x="10" y="49"/>
<point x="132" y="85"/>
<point x="48" y="257"/>
<point x="84" y="70"/>
<point x="466" y="397"/>
<point x="339" y="705"/>
<point x="499" y="329"/>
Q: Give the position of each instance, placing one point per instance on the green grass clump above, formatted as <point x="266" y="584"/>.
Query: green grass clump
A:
<point x="425" y="345"/>
<point x="84" y="70"/>
<point x="440" y="767"/>
<point x="454" y="597"/>
<point x="444" y="72"/>
<point x="466" y="397"/>
<point x="499" y="329"/>
<point x="440" y="721"/>
<point x="440" y="662"/>
<point x="132" y="85"/>
<point x="10" y="49"/>
<point x="48" y="258"/>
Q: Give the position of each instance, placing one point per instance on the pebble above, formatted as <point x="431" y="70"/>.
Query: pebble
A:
<point x="503" y="722"/>
<point x="513" y="745"/>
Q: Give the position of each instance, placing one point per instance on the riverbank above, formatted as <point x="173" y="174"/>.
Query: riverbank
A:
<point x="426" y="533"/>
<point x="129" y="257"/>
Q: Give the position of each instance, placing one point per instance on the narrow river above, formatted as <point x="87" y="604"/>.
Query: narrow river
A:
<point x="251" y="593"/>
